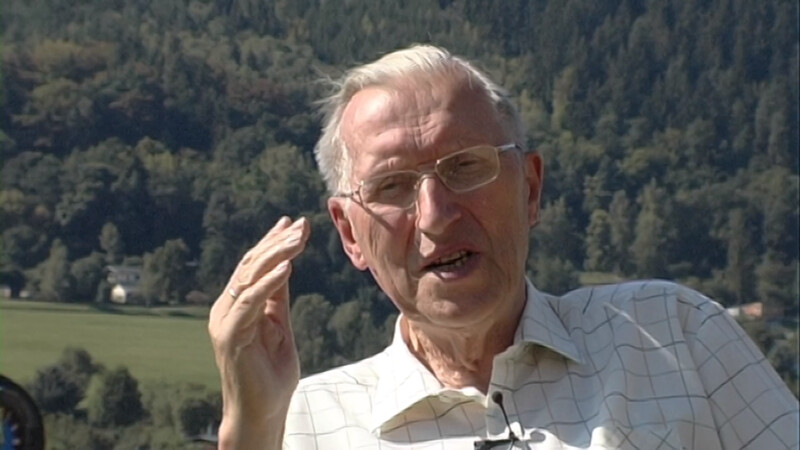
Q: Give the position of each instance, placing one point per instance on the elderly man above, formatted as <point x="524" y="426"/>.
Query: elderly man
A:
<point x="435" y="193"/>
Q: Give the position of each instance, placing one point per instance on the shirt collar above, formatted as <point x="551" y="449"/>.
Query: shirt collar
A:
<point x="541" y="325"/>
<point x="404" y="381"/>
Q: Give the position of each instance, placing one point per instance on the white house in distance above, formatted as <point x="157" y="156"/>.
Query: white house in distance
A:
<point x="756" y="310"/>
<point x="125" y="284"/>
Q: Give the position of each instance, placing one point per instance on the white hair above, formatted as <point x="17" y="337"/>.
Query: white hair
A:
<point x="334" y="159"/>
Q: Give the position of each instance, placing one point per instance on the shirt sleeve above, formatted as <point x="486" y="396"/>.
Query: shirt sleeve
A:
<point x="751" y="405"/>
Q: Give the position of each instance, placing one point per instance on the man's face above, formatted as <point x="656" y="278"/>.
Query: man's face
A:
<point x="452" y="260"/>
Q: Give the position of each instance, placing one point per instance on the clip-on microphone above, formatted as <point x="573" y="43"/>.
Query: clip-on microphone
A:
<point x="488" y="444"/>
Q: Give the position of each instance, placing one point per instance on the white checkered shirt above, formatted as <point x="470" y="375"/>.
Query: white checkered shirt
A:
<point x="640" y="365"/>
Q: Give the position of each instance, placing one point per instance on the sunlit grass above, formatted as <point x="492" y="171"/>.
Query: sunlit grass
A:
<point x="595" y="278"/>
<point x="158" y="344"/>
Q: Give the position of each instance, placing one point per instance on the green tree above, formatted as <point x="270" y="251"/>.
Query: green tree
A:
<point x="779" y="143"/>
<point x="14" y="206"/>
<point x="111" y="243"/>
<point x="777" y="283"/>
<point x="103" y="293"/>
<point x="357" y="326"/>
<point x="217" y="261"/>
<point x="196" y="415"/>
<point x="35" y="174"/>
<point x="88" y="272"/>
<point x="652" y="235"/>
<point x="59" y="387"/>
<point x="554" y="275"/>
<point x="23" y="246"/>
<point x="55" y="390"/>
<point x="79" y="364"/>
<point x="620" y="221"/>
<point x="113" y="399"/>
<point x="66" y="432"/>
<point x="13" y="278"/>
<point x="166" y="276"/>
<point x="309" y="315"/>
<point x="288" y="180"/>
<point x="56" y="282"/>
<point x="741" y="256"/>
<point x="783" y="358"/>
<point x="599" y="250"/>
<point x="555" y="235"/>
<point x="87" y="198"/>
<point x="781" y="209"/>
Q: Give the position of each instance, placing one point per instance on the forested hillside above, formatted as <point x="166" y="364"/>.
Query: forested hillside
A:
<point x="175" y="133"/>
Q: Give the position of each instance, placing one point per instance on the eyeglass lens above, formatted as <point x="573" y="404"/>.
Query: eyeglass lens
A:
<point x="460" y="172"/>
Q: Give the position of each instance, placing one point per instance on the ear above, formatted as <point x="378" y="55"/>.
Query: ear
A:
<point x="336" y="208"/>
<point x="534" y="175"/>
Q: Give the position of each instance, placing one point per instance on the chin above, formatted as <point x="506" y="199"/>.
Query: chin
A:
<point x="477" y="284"/>
<point x="457" y="310"/>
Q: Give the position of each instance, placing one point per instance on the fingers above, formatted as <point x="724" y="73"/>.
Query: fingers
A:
<point x="249" y="304"/>
<point x="283" y="242"/>
<point x="279" y="226"/>
<point x="279" y="303"/>
<point x="284" y="245"/>
<point x="277" y="312"/>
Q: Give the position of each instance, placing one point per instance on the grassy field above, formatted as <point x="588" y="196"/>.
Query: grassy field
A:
<point x="594" y="278"/>
<point x="156" y="344"/>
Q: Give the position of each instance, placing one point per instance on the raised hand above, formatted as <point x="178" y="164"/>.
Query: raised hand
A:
<point x="253" y="342"/>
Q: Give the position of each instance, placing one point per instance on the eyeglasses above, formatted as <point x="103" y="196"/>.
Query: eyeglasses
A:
<point x="462" y="171"/>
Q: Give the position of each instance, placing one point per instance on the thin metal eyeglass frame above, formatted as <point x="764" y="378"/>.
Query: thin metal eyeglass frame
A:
<point x="432" y="172"/>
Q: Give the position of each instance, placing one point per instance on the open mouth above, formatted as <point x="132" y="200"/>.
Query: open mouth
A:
<point x="450" y="262"/>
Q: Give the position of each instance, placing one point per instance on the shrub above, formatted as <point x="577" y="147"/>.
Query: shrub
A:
<point x="55" y="390"/>
<point x="114" y="399"/>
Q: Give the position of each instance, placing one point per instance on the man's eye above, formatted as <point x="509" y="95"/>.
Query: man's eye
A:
<point x="392" y="186"/>
<point x="389" y="186"/>
<point x="466" y="164"/>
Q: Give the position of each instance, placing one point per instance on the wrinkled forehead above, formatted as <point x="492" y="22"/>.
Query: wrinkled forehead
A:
<point x="417" y="119"/>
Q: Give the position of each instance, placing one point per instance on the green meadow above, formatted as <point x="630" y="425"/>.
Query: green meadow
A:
<point x="156" y="344"/>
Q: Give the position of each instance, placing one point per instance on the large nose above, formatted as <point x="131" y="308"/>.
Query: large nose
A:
<point x="436" y="206"/>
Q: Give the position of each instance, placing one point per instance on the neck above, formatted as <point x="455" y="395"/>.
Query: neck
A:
<point x="462" y="357"/>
